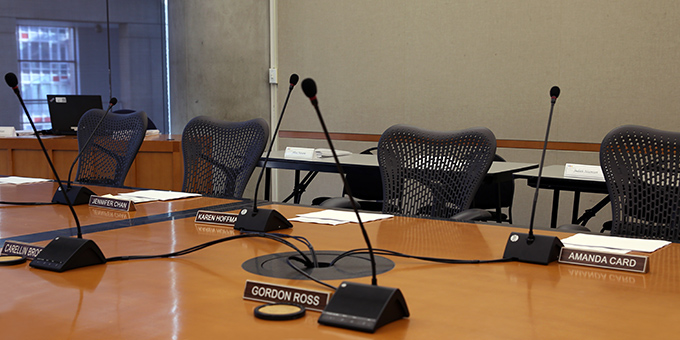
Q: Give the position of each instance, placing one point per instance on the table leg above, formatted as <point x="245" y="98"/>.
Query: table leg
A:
<point x="575" y="207"/>
<point x="555" y="208"/>
<point x="267" y="184"/>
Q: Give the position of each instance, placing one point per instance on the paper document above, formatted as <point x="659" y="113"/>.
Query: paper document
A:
<point x="583" y="171"/>
<point x="21" y="180"/>
<point x="613" y="242"/>
<point x="156" y="195"/>
<point x="322" y="153"/>
<point x="335" y="217"/>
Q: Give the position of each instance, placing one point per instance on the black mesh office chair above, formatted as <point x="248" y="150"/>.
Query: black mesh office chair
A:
<point x="107" y="158"/>
<point x="366" y="187"/>
<point x="220" y="156"/>
<point x="432" y="173"/>
<point x="641" y="166"/>
<point x="149" y="124"/>
<point x="489" y="196"/>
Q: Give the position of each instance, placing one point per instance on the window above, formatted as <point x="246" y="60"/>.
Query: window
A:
<point x="47" y="65"/>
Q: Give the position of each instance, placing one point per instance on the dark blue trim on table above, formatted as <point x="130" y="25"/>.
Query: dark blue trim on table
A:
<point x="132" y="222"/>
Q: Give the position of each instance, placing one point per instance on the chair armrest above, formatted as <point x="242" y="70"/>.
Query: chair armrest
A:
<point x="337" y="202"/>
<point x="472" y="215"/>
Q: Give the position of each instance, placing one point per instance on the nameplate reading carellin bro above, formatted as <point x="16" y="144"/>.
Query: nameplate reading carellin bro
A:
<point x="111" y="203"/>
<point x="215" y="217"/>
<point x="625" y="262"/>
<point x="26" y="250"/>
<point x="271" y="293"/>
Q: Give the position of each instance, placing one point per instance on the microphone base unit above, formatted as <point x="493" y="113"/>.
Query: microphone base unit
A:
<point x="363" y="307"/>
<point x="263" y="220"/>
<point x="542" y="250"/>
<point x="77" y="195"/>
<point x="66" y="253"/>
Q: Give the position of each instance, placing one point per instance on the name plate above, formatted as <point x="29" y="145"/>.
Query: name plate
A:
<point x="111" y="203"/>
<point x="270" y="293"/>
<point x="625" y="262"/>
<point x="26" y="250"/>
<point x="7" y="131"/>
<point x="215" y="217"/>
<point x="299" y="153"/>
<point x="583" y="171"/>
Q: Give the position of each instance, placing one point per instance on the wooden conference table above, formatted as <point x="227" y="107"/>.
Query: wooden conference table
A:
<point x="199" y="296"/>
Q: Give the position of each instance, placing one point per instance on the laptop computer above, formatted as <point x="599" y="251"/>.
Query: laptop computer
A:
<point x="66" y="110"/>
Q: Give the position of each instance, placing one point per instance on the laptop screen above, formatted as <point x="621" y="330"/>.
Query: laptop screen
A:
<point x="66" y="110"/>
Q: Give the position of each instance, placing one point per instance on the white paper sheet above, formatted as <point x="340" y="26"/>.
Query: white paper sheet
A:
<point x="159" y="195"/>
<point x="335" y="217"/>
<point x="21" y="180"/>
<point x="613" y="242"/>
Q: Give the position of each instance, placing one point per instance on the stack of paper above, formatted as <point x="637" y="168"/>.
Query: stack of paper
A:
<point x="613" y="243"/>
<point x="21" y="180"/>
<point x="335" y="217"/>
<point x="152" y="195"/>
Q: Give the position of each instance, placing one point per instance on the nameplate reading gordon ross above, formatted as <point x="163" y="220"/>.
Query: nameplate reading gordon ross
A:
<point x="625" y="262"/>
<point x="215" y="217"/>
<point x="111" y="203"/>
<point x="271" y="293"/>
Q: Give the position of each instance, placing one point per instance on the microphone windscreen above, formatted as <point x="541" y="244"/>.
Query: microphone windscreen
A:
<point x="11" y="80"/>
<point x="294" y="79"/>
<point x="309" y="88"/>
<point x="113" y="101"/>
<point x="554" y="92"/>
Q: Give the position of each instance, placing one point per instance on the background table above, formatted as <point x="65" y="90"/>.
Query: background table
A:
<point x="553" y="179"/>
<point x="357" y="163"/>
<point x="158" y="164"/>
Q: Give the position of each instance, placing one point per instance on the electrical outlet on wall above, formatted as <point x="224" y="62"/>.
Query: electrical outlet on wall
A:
<point x="273" y="78"/>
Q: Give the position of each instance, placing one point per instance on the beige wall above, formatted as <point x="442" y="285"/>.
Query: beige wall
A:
<point x="453" y="64"/>
<point x="436" y="64"/>
<point x="447" y="65"/>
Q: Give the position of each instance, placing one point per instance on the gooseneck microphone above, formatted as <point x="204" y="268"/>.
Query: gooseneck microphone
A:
<point x="62" y="253"/>
<point x="357" y="306"/>
<point x="532" y="248"/>
<point x="264" y="220"/>
<point x="77" y="194"/>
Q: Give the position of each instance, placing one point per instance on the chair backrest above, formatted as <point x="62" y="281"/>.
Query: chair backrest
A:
<point x="432" y="173"/>
<point x="107" y="158"/>
<point x="366" y="185"/>
<point x="149" y="124"/>
<point x="641" y="166"/>
<point x="220" y="156"/>
<point x="488" y="195"/>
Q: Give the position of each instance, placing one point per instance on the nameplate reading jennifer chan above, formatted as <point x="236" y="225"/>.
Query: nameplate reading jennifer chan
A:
<point x="215" y="217"/>
<point x="111" y="203"/>
<point x="626" y="262"/>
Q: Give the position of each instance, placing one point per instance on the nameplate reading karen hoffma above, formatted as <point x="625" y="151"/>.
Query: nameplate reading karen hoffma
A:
<point x="215" y="217"/>
<point x="111" y="203"/>
<point x="626" y="262"/>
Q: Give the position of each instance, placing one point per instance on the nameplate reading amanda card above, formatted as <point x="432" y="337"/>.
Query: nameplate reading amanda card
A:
<point x="271" y="293"/>
<point x="626" y="262"/>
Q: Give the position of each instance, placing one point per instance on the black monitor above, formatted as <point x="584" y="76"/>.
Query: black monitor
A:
<point x="66" y="110"/>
